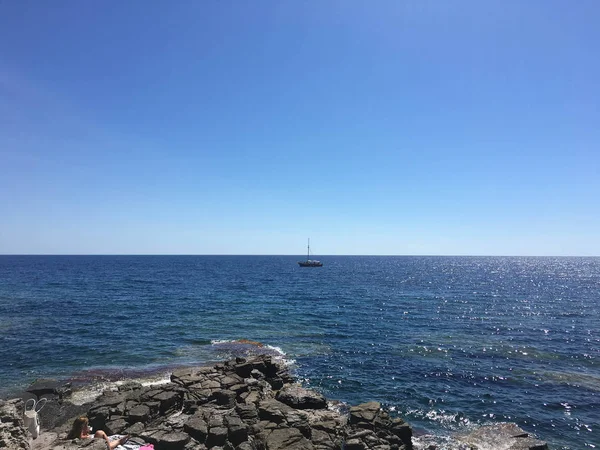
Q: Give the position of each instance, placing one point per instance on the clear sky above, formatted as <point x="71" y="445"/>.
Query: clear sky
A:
<point x="245" y="127"/>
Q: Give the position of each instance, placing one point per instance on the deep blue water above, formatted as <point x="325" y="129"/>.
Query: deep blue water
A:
<point x="447" y="342"/>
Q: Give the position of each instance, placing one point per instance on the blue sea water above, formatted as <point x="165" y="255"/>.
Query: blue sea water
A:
<point x="448" y="343"/>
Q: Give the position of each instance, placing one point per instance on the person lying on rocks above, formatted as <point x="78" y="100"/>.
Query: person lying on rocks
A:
<point x="81" y="430"/>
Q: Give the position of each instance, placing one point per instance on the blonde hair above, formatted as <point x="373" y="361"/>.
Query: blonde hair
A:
<point x="79" y="425"/>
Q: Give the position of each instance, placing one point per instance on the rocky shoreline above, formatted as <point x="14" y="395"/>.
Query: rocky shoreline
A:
<point x="243" y="404"/>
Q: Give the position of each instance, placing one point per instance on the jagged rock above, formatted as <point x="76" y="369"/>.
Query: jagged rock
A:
<point x="501" y="436"/>
<point x="354" y="444"/>
<point x="171" y="440"/>
<point x="98" y="415"/>
<point x="134" y="430"/>
<point x="245" y="446"/>
<point x="130" y="386"/>
<point x="196" y="427"/>
<point x="235" y="406"/>
<point x="364" y="413"/>
<point x="148" y="394"/>
<point x="237" y="430"/>
<point x="287" y="438"/>
<point x="276" y="383"/>
<point x="299" y="420"/>
<point x="139" y="413"/>
<point x="244" y="369"/>
<point x="225" y="398"/>
<point x="301" y="398"/>
<point x="176" y="420"/>
<point x="13" y="434"/>
<point x="194" y="445"/>
<point x="169" y="400"/>
<point x="273" y="410"/>
<point x="115" y="426"/>
<point x="231" y="380"/>
<point x="207" y="384"/>
<point x="403" y="431"/>
<point x="216" y="436"/>
<point x="252" y="397"/>
<point x="49" y="386"/>
<point x="323" y="440"/>
<point x="110" y="398"/>
<point x="58" y="411"/>
<point x="248" y="413"/>
<point x="215" y="420"/>
<point x="189" y="376"/>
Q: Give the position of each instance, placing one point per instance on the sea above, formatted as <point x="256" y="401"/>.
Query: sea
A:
<point x="447" y="343"/>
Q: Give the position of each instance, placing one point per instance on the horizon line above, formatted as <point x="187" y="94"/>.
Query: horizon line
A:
<point x="297" y="255"/>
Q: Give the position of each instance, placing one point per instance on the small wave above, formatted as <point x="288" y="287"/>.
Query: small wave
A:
<point x="448" y="420"/>
<point x="246" y="347"/>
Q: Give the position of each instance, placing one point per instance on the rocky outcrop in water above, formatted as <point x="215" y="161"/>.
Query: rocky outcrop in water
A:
<point x="502" y="436"/>
<point x="246" y="404"/>
<point x="243" y="404"/>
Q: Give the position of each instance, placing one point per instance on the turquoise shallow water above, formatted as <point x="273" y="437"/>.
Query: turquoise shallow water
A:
<point x="447" y="342"/>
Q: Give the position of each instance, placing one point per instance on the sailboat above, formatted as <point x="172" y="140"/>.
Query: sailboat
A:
<point x="310" y="262"/>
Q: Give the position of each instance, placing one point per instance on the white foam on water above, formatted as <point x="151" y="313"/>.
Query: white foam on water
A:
<point x="428" y="441"/>
<point x="449" y="420"/>
<point x="221" y="341"/>
<point x="256" y="347"/>
<point x="282" y="356"/>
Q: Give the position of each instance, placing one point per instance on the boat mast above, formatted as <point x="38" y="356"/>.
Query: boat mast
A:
<point x="308" y="251"/>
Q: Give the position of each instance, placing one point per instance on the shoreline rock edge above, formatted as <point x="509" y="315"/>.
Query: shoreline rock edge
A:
<point x="242" y="404"/>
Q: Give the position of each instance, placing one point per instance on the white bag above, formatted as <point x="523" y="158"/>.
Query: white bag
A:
<point x="30" y="417"/>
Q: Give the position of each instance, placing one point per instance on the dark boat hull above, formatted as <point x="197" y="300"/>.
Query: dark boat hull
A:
<point x="310" y="264"/>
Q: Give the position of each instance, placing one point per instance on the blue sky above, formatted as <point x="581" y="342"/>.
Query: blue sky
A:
<point x="205" y="127"/>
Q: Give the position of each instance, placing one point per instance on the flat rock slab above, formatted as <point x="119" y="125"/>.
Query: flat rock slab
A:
<point x="46" y="386"/>
<point x="173" y="441"/>
<point x="365" y="412"/>
<point x="301" y="398"/>
<point x="287" y="438"/>
<point x="502" y="436"/>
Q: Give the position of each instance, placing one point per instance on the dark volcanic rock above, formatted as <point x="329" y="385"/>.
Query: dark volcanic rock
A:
<point x="172" y="440"/>
<point x="402" y="430"/>
<point x="273" y="410"/>
<point x="48" y="386"/>
<point x="216" y="436"/>
<point x="287" y="438"/>
<point x="364" y="413"/>
<point x="248" y="413"/>
<point x="169" y="400"/>
<point x="237" y="430"/>
<point x="115" y="426"/>
<point x="225" y="398"/>
<point x="301" y="398"/>
<point x="196" y="427"/>
<point x="139" y="413"/>
<point x="246" y="404"/>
